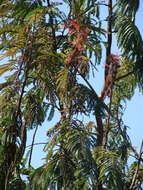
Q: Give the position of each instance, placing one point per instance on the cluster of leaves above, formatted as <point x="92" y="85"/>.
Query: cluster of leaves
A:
<point x="36" y="40"/>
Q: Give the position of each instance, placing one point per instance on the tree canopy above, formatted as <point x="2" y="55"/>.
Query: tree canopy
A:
<point x="49" y="53"/>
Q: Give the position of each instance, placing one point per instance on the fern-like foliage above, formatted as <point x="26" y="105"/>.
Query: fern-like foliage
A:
<point x="47" y="55"/>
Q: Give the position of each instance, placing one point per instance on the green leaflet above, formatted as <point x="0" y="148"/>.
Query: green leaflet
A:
<point x="4" y="68"/>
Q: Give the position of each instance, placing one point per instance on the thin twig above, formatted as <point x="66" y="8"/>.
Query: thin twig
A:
<point x="125" y="75"/>
<point x="40" y="143"/>
<point x="103" y="4"/>
<point x="31" y="151"/>
<point x="132" y="187"/>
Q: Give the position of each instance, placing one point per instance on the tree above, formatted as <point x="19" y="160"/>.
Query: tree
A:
<point x="49" y="56"/>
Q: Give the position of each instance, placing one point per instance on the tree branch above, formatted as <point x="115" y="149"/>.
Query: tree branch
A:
<point x="108" y="53"/>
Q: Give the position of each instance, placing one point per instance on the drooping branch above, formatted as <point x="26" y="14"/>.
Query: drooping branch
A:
<point x="32" y="145"/>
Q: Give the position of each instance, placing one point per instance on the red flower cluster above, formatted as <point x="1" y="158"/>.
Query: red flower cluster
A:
<point x="73" y="26"/>
<point x="79" y="33"/>
<point x="111" y="71"/>
<point x="115" y="58"/>
<point x="77" y="37"/>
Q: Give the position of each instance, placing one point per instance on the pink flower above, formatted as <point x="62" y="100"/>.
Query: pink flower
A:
<point x="115" y="58"/>
<point x="73" y="25"/>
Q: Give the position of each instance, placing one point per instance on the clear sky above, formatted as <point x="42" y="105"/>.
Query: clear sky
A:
<point x="133" y="115"/>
